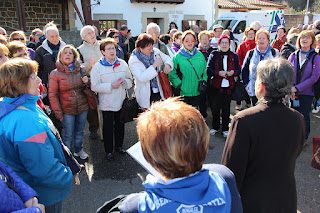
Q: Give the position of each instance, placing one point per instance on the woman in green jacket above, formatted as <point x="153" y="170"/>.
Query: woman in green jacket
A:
<point x="187" y="62"/>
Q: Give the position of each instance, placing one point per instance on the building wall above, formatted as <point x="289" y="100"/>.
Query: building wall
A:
<point x="137" y="13"/>
<point x="37" y="13"/>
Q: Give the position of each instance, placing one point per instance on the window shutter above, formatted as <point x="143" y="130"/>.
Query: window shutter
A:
<point x="120" y="23"/>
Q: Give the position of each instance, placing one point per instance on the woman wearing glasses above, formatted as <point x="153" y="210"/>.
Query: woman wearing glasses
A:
<point x="20" y="36"/>
<point x="223" y="65"/>
<point x="189" y="67"/>
<point x="306" y="64"/>
<point x="113" y="33"/>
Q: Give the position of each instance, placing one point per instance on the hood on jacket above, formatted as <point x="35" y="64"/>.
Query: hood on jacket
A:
<point x="7" y="105"/>
<point x="205" y="190"/>
<point x="63" y="68"/>
<point x="47" y="48"/>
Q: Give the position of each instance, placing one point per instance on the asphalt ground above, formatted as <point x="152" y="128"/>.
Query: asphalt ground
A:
<point x="102" y="180"/>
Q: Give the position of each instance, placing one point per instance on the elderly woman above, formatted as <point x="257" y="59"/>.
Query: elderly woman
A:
<point x="67" y="100"/>
<point x="20" y="36"/>
<point x="223" y="65"/>
<point x="166" y="39"/>
<point x="247" y="45"/>
<point x="145" y="64"/>
<point x="114" y="33"/>
<point x="281" y="38"/>
<point x="35" y="39"/>
<point x="29" y="142"/>
<point x="110" y="78"/>
<point x="3" y="54"/>
<point x="177" y="42"/>
<point x="178" y="154"/>
<point x="261" y="52"/>
<point x="290" y="45"/>
<point x="204" y="44"/>
<point x="89" y="55"/>
<point x="266" y="181"/>
<point x="306" y="64"/>
<point x="189" y="64"/>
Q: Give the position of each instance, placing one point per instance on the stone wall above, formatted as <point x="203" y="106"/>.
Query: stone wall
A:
<point x="295" y="20"/>
<point x="37" y="13"/>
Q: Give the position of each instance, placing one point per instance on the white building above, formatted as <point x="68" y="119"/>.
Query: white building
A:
<point x="136" y="14"/>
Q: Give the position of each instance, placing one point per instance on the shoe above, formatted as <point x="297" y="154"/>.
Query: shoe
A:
<point x="110" y="157"/>
<point x="120" y="150"/>
<point x="316" y="110"/>
<point x="248" y="105"/>
<point x="238" y="107"/>
<point x="213" y="131"/>
<point x="82" y="154"/>
<point x="93" y="135"/>
<point x="225" y="133"/>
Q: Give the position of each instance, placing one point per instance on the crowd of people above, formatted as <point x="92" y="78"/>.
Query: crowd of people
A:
<point x="41" y="90"/>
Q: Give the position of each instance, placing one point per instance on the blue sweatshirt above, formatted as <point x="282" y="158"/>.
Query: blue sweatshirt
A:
<point x="30" y="148"/>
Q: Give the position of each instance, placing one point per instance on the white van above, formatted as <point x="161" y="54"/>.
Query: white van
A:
<point x="239" y="21"/>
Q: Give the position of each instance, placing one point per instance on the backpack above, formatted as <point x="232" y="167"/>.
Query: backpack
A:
<point x="273" y="51"/>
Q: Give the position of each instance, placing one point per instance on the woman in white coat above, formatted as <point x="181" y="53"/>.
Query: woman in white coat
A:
<point x="109" y="78"/>
<point x="144" y="64"/>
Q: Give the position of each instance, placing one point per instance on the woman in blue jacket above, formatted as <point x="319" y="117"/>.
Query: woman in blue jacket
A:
<point x="27" y="136"/>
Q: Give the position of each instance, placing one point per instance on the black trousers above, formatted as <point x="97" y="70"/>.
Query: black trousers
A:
<point x="112" y="128"/>
<point x="220" y="106"/>
<point x="203" y="105"/>
<point x="92" y="119"/>
<point x="194" y="101"/>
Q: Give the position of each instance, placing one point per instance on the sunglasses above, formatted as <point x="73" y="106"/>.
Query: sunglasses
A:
<point x="189" y="40"/>
<point x="33" y="76"/>
<point x="16" y="39"/>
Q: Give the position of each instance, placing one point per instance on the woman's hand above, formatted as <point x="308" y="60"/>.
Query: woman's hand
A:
<point x="91" y="62"/>
<point x="85" y="79"/>
<point x="157" y="62"/>
<point x="223" y="74"/>
<point x="34" y="202"/>
<point x="293" y="93"/>
<point x="167" y="68"/>
<point x="116" y="85"/>
<point x="230" y="73"/>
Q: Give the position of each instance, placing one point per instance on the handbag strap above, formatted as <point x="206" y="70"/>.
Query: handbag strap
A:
<point x="194" y="70"/>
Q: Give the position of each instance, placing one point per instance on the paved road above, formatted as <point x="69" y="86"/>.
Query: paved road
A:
<point x="103" y="180"/>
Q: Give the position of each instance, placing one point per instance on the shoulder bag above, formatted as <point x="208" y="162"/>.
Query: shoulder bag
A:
<point x="202" y="84"/>
<point x="91" y="96"/>
<point x="130" y="108"/>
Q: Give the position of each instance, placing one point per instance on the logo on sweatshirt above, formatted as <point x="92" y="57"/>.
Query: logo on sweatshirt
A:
<point x="189" y="209"/>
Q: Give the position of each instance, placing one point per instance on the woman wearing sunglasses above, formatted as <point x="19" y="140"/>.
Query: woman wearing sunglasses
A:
<point x="189" y="67"/>
<point x="20" y="36"/>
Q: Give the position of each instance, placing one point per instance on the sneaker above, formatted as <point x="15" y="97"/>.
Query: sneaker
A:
<point x="213" y="131"/>
<point x="82" y="154"/>
<point x="93" y="135"/>
<point x="225" y="133"/>
<point x="238" y="107"/>
<point x="316" y="110"/>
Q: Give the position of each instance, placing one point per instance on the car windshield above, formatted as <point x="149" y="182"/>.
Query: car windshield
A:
<point x="226" y="23"/>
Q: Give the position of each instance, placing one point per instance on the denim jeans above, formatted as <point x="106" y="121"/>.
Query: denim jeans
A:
<point x="304" y="109"/>
<point x="73" y="126"/>
<point x="55" y="208"/>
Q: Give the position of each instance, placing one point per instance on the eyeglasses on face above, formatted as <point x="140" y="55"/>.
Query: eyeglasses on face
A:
<point x="189" y="40"/>
<point x="224" y="43"/>
<point x="34" y="76"/>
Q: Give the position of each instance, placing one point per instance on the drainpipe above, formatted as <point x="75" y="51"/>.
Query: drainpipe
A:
<point x="20" y="15"/>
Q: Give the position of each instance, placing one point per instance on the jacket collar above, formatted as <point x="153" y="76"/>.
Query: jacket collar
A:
<point x="63" y="68"/>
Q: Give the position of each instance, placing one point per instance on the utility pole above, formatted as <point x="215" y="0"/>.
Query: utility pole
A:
<point x="306" y="17"/>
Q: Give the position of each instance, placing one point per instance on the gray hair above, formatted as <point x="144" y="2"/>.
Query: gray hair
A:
<point x="84" y="30"/>
<point x="51" y="28"/>
<point x="256" y="25"/>
<point x="292" y="38"/>
<point x="153" y="25"/>
<point x="277" y="76"/>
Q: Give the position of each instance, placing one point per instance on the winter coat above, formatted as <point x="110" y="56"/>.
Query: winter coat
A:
<point x="143" y="76"/>
<point x="46" y="61"/>
<point x="102" y="77"/>
<point x="30" y="147"/>
<point x="121" y="43"/>
<point x="88" y="51"/>
<point x="265" y="181"/>
<point x="310" y="75"/>
<point x="13" y="200"/>
<point x="278" y="43"/>
<point x="175" y="46"/>
<point x="161" y="46"/>
<point x="207" y="52"/>
<point x="244" y="47"/>
<point x="65" y="91"/>
<point x="183" y="75"/>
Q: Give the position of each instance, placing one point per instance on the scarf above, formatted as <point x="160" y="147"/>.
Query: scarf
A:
<point x="176" y="45"/>
<point x="262" y="55"/>
<point x="147" y="62"/>
<point x="54" y="48"/>
<point x="307" y="52"/>
<point x="187" y="53"/>
<point x="103" y="61"/>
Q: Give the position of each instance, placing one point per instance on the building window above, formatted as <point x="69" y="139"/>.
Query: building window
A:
<point x="105" y="25"/>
